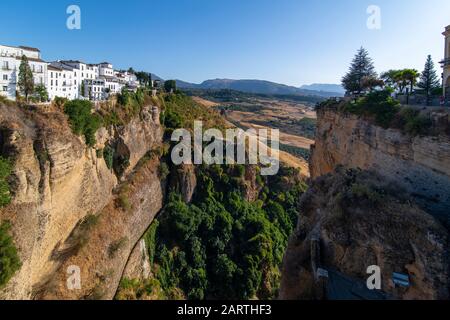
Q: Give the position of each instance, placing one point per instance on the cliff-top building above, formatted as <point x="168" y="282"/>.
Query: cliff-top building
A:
<point x="10" y="59"/>
<point x="71" y="79"/>
<point x="446" y="65"/>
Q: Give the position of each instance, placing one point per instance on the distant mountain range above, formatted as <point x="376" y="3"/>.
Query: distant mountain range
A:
<point x="324" y="87"/>
<point x="265" y="87"/>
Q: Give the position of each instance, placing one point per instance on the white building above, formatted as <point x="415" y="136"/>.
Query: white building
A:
<point x="71" y="79"/>
<point x="106" y="69"/>
<point x="10" y="59"/>
<point x="95" y="90"/>
<point x="112" y="85"/>
<point x="62" y="81"/>
<point x="446" y="65"/>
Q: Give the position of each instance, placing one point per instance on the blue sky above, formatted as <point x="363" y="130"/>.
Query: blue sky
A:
<point x="286" y="41"/>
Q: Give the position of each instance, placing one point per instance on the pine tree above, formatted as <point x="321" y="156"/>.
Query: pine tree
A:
<point x="26" y="81"/>
<point x="429" y="79"/>
<point x="360" y="68"/>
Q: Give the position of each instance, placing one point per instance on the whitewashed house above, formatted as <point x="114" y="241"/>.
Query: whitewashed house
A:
<point x="10" y="59"/>
<point x="105" y="69"/>
<point x="95" y="89"/>
<point x="62" y="81"/>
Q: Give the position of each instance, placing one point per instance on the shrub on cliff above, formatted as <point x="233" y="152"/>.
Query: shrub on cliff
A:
<point x="82" y="120"/>
<point x="377" y="104"/>
<point x="9" y="260"/>
<point x="5" y="171"/>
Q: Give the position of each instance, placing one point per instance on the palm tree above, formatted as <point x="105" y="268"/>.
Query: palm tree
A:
<point x="411" y="76"/>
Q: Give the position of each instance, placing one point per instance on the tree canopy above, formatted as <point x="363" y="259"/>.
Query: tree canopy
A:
<point x="429" y="79"/>
<point x="361" y="68"/>
<point x="26" y="81"/>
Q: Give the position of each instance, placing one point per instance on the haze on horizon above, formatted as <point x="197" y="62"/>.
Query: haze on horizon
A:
<point x="286" y="41"/>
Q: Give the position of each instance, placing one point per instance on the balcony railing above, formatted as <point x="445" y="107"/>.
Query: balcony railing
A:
<point x="6" y="68"/>
<point x="445" y="62"/>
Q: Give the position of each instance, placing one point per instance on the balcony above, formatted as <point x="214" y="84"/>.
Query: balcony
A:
<point x="445" y="62"/>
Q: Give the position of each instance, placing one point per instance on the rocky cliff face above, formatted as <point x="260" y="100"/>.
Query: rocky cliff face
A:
<point x="420" y="165"/>
<point x="57" y="183"/>
<point x="378" y="197"/>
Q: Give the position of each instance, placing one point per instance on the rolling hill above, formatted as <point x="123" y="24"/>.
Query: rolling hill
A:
<point x="259" y="87"/>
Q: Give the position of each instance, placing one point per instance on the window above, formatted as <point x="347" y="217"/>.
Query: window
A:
<point x="5" y="88"/>
<point x="5" y="65"/>
<point x="5" y="77"/>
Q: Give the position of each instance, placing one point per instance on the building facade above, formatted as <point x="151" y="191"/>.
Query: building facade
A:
<point x="71" y="79"/>
<point x="95" y="89"/>
<point x="446" y="66"/>
<point x="62" y="81"/>
<point x="10" y="59"/>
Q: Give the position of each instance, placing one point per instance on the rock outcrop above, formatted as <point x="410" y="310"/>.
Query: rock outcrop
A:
<point x="378" y="197"/>
<point x="57" y="182"/>
<point x="421" y="165"/>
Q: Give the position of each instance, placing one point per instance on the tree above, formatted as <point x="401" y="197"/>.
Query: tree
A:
<point x="42" y="93"/>
<point x="390" y="77"/>
<point x="411" y="75"/>
<point x="371" y="82"/>
<point x="360" y="68"/>
<point x="9" y="259"/>
<point x="143" y="77"/>
<point x="26" y="81"/>
<point x="170" y="86"/>
<point x="429" y="80"/>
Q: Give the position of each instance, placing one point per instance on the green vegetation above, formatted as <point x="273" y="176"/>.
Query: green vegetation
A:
<point x="429" y="80"/>
<point x="296" y="151"/>
<point x="307" y="126"/>
<point x="41" y="93"/>
<point x="9" y="259"/>
<point x="181" y="112"/>
<point x="222" y="246"/>
<point x="82" y="120"/>
<point x="361" y="73"/>
<point x="108" y="155"/>
<point x="132" y="102"/>
<point x="412" y="122"/>
<point x="233" y="96"/>
<point x="170" y="86"/>
<point x="5" y="172"/>
<point x="378" y="104"/>
<point x="134" y="289"/>
<point x="163" y="171"/>
<point x="387" y="113"/>
<point x="401" y="79"/>
<point x="150" y="240"/>
<point x="26" y="81"/>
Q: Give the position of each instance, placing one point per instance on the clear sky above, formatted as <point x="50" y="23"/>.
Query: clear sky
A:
<point x="287" y="41"/>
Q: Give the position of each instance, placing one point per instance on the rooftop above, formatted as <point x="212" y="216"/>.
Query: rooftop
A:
<point x="31" y="59"/>
<point x="30" y="48"/>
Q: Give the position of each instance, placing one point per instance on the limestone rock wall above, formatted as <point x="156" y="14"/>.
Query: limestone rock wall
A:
<point x="57" y="181"/>
<point x="420" y="165"/>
